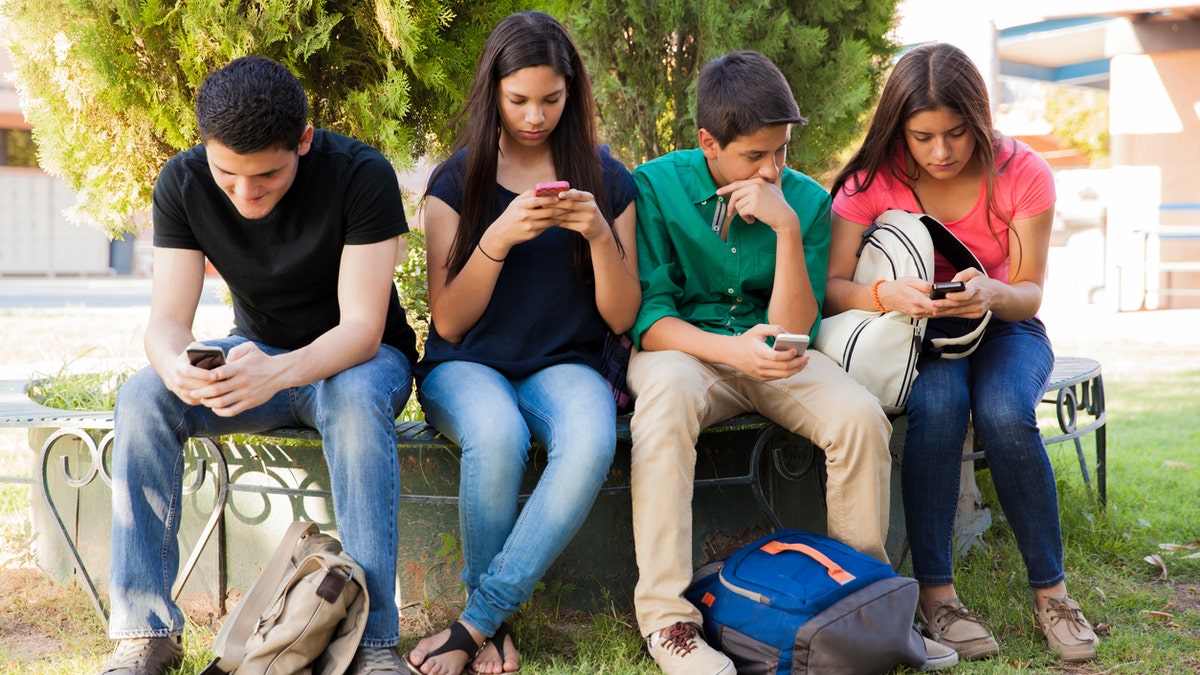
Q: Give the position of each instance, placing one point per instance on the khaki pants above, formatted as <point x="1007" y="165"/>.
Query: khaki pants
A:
<point x="678" y="395"/>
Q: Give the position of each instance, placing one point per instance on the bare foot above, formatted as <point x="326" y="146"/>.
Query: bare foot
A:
<point x="462" y="642"/>
<point x="488" y="660"/>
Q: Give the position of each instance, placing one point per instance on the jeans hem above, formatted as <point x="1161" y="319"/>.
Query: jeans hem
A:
<point x="935" y="581"/>
<point x="1042" y="585"/>
<point x="383" y="643"/>
<point x="138" y="633"/>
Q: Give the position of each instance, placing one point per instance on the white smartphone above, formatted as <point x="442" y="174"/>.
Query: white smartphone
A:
<point x="797" y="341"/>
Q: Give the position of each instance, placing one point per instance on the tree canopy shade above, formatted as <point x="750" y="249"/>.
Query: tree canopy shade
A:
<point x="644" y="58"/>
<point x="109" y="85"/>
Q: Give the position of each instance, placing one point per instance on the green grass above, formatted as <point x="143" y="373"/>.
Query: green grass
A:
<point x="1148" y="625"/>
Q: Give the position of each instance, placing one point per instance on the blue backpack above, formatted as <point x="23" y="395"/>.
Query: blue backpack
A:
<point x="798" y="602"/>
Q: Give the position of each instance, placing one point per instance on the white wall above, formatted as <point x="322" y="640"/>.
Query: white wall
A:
<point x="35" y="236"/>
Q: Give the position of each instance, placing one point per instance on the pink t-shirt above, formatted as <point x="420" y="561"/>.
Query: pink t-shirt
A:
<point x="1024" y="188"/>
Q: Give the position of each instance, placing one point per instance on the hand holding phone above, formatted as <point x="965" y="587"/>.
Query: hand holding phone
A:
<point x="551" y="188"/>
<point x="797" y="341"/>
<point x="206" y="356"/>
<point x="941" y="288"/>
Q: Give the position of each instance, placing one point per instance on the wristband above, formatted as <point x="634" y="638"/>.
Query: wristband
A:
<point x="874" y="295"/>
<point x="485" y="254"/>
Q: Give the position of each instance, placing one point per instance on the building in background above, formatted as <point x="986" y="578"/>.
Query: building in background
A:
<point x="35" y="236"/>
<point x="1127" y="235"/>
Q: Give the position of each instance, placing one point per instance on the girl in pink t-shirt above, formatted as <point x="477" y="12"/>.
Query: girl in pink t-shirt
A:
<point x="931" y="148"/>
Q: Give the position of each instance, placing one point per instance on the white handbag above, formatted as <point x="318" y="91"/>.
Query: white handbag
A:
<point x="880" y="349"/>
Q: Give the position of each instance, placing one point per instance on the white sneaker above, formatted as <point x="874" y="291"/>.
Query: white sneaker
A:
<point x="680" y="650"/>
<point x="938" y="656"/>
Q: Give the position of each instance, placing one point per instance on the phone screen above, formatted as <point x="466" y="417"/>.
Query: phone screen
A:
<point x="206" y="357"/>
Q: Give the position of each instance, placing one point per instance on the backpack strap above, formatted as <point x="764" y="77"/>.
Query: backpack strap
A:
<point x="961" y="257"/>
<point x="230" y="645"/>
<point x="950" y="246"/>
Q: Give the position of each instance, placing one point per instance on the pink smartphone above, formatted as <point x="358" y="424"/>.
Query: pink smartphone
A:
<point x="551" y="188"/>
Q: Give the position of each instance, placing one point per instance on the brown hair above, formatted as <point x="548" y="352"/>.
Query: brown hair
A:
<point x="526" y="40"/>
<point x="926" y="78"/>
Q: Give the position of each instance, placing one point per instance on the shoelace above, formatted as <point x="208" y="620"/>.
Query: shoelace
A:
<point x="378" y="659"/>
<point x="130" y="654"/>
<point x="945" y="615"/>
<point x="1057" y="610"/>
<point x="679" y="638"/>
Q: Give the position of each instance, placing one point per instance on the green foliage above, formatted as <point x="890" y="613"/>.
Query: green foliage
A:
<point x="644" y="58"/>
<point x="1080" y="118"/>
<point x="109" y="87"/>
<point x="412" y="284"/>
<point x="96" y="391"/>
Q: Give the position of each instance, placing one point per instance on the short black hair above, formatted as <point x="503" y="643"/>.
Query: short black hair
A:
<point x="740" y="93"/>
<point x="252" y="104"/>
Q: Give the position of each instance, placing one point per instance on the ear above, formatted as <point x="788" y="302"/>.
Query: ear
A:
<point x="305" y="141"/>
<point x="709" y="144"/>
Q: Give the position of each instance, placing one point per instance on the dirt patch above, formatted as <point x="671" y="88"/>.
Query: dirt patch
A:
<point x="40" y="619"/>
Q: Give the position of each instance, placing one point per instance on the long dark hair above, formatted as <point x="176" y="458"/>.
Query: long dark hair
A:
<point x="526" y="40"/>
<point x="926" y="78"/>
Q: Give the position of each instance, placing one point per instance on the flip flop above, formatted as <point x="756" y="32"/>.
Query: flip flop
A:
<point x="504" y="631"/>
<point x="460" y="640"/>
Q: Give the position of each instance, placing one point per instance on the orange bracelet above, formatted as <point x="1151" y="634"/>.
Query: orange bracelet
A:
<point x="875" y="295"/>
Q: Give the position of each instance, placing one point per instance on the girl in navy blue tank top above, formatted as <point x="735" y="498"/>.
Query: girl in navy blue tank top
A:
<point x="523" y="288"/>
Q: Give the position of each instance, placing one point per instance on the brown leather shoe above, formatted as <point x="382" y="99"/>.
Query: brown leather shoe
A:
<point x="1069" y="635"/>
<point x="960" y="629"/>
<point x="145" y="656"/>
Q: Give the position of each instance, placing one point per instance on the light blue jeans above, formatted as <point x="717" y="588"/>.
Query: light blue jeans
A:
<point x="998" y="387"/>
<point x="569" y="409"/>
<point x="355" y="413"/>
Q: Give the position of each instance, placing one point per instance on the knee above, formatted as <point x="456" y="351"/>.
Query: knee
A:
<point x="366" y="389"/>
<point x="668" y="383"/>
<point x="144" y="389"/>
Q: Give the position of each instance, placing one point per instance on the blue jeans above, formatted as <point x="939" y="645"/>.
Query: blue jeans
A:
<point x="569" y="409"/>
<point x="998" y="387"/>
<point x="355" y="413"/>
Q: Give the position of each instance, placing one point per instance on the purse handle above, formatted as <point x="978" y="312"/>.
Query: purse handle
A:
<point x="230" y="645"/>
<point x="835" y="570"/>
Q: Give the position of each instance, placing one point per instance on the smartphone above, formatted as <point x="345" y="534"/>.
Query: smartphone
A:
<point x="941" y="288"/>
<point x="206" y="357"/>
<point x="797" y="341"/>
<point x="551" y="188"/>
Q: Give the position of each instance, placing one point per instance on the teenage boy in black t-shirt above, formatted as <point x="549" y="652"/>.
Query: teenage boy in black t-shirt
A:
<point x="303" y="226"/>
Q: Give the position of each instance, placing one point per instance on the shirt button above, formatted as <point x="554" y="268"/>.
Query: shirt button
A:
<point x="730" y="291"/>
<point x="733" y="250"/>
<point x="739" y="299"/>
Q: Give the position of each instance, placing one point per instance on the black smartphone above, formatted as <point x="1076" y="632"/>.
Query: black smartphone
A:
<point x="206" y="357"/>
<point x="941" y="288"/>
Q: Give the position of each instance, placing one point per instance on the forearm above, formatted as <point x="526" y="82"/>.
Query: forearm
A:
<point x="793" y="303"/>
<point x="843" y="294"/>
<point x="1016" y="302"/>
<point x="462" y="300"/>
<point x="618" y="290"/>
<point x="675" y="333"/>
<point x="344" y="346"/>
<point x="164" y="341"/>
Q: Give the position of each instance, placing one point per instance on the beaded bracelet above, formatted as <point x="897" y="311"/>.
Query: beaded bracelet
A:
<point x="874" y="295"/>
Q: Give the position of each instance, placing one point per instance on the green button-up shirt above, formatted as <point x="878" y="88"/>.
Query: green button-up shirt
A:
<point x="687" y="271"/>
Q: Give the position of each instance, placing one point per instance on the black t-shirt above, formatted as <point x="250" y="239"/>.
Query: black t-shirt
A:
<point x="540" y="313"/>
<point x="282" y="269"/>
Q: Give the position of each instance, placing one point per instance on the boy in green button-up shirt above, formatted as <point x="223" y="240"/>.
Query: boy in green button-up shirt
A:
<point x="732" y="248"/>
